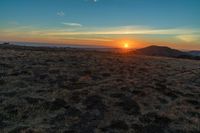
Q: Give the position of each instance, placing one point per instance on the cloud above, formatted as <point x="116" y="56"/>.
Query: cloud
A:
<point x="61" y="13"/>
<point x="125" y="30"/>
<point x="13" y="23"/>
<point x="77" y="31"/>
<point x="90" y="39"/>
<point x="92" y="1"/>
<point x="188" y="38"/>
<point x="72" y="24"/>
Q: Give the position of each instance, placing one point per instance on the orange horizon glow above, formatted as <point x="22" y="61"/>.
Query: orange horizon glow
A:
<point x="121" y="37"/>
<point x="114" y="43"/>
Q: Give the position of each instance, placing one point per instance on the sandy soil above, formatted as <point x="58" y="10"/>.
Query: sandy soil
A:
<point x="77" y="91"/>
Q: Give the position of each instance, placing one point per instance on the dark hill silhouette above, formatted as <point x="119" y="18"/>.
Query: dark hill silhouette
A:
<point x="153" y="50"/>
<point x="161" y="51"/>
<point x="194" y="52"/>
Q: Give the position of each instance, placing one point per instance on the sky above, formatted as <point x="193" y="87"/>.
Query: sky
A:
<point x="112" y="23"/>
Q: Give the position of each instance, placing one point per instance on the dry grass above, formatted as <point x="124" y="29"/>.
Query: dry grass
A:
<point x="77" y="91"/>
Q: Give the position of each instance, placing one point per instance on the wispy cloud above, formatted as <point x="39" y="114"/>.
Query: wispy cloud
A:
<point x="13" y="23"/>
<point x="125" y="30"/>
<point x="60" y="13"/>
<point x="90" y="39"/>
<point x="190" y="34"/>
<point x="72" y="24"/>
<point x="188" y="38"/>
<point x="92" y="1"/>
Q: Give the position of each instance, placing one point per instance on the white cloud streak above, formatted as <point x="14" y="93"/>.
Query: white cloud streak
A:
<point x="95" y="1"/>
<point x="188" y="38"/>
<point x="72" y="24"/>
<point x="126" y="30"/>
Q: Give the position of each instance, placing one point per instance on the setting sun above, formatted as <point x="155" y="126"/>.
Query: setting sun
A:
<point x="126" y="45"/>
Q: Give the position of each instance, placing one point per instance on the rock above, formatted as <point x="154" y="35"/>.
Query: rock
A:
<point x="8" y="94"/>
<point x="78" y="85"/>
<point x="33" y="100"/>
<point x="43" y="76"/>
<point x="119" y="124"/>
<point x="3" y="124"/>
<point x="193" y="102"/>
<point x="3" y="117"/>
<point x="136" y="127"/>
<point x="172" y="95"/>
<point x="70" y="131"/>
<point x="56" y="104"/>
<point x="116" y="125"/>
<point x="117" y="95"/>
<point x="155" y="119"/>
<point x="87" y="124"/>
<point x="151" y="128"/>
<point x="2" y="82"/>
<point x="137" y="92"/>
<point x="194" y="114"/>
<point x="20" y="84"/>
<point x="129" y="106"/>
<point x="58" y="120"/>
<point x="72" y="112"/>
<point x="85" y="72"/>
<point x="106" y="74"/>
<point x="18" y="129"/>
<point x="5" y="65"/>
<point x="73" y="79"/>
<point x="11" y="109"/>
<point x="94" y="102"/>
<point x="162" y="100"/>
<point x="75" y="97"/>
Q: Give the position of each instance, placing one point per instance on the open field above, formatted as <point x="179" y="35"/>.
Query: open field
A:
<point x="78" y="91"/>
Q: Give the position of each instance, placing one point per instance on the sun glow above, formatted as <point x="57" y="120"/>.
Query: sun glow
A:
<point x="126" y="45"/>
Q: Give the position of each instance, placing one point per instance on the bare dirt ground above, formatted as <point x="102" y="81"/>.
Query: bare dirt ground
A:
<point x="77" y="91"/>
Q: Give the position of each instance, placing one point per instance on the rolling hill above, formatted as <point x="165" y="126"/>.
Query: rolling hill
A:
<point x="164" y="51"/>
<point x="160" y="51"/>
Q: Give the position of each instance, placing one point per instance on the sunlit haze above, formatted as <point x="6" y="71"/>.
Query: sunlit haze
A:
<point x="173" y="23"/>
<point x="126" y="45"/>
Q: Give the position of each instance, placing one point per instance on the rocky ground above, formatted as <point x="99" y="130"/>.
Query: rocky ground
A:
<point x="77" y="91"/>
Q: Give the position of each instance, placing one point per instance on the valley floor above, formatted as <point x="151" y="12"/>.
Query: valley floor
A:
<point x="77" y="91"/>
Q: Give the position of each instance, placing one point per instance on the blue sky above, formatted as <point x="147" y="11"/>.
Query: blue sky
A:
<point x="173" y="21"/>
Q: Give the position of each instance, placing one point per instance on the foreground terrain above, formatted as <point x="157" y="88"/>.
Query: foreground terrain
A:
<point x="77" y="91"/>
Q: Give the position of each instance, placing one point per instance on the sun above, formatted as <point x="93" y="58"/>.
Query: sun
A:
<point x="126" y="45"/>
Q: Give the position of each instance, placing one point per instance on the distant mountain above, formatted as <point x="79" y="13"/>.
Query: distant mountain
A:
<point x="161" y="51"/>
<point x="194" y="53"/>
